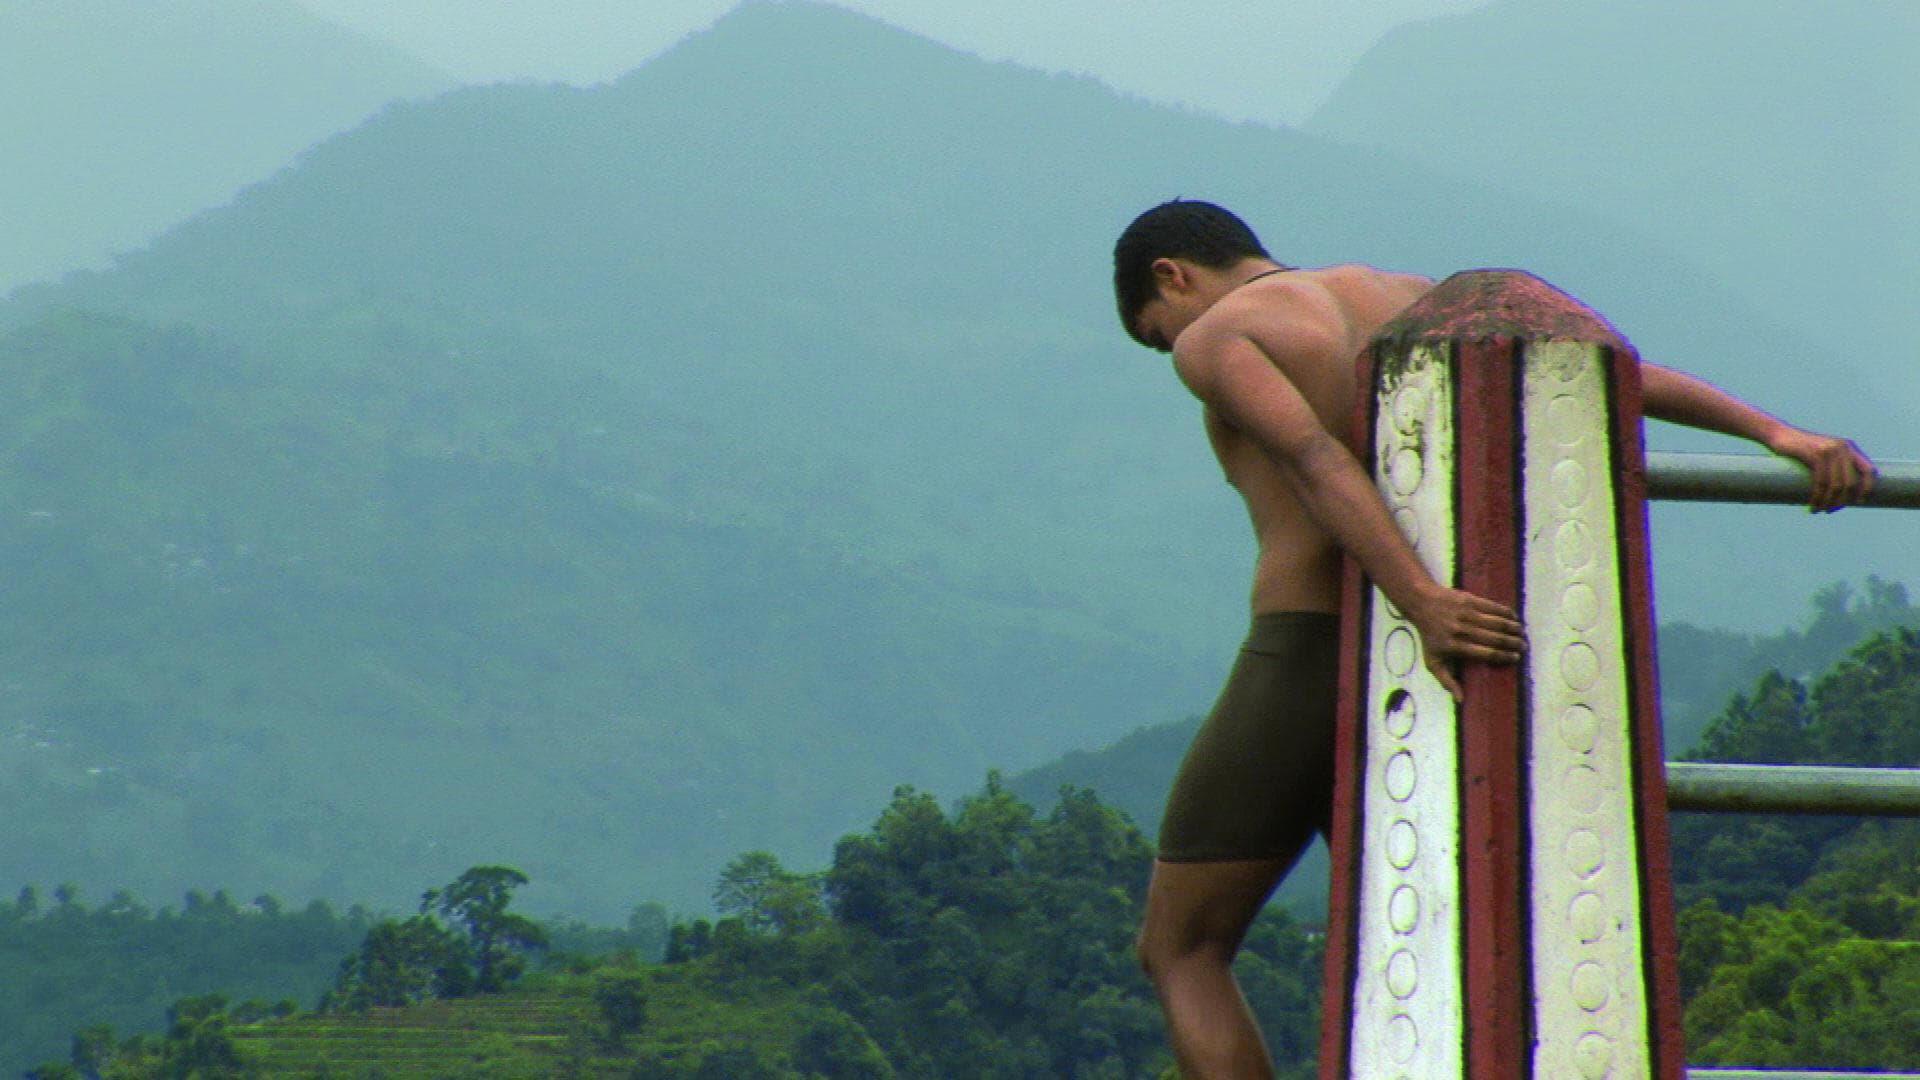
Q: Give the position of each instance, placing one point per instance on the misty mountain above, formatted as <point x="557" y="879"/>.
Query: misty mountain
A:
<point x="1772" y="144"/>
<point x="607" y="481"/>
<point x="124" y="117"/>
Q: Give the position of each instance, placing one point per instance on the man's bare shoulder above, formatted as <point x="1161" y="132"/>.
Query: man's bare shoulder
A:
<point x="1307" y="310"/>
<point x="1360" y="283"/>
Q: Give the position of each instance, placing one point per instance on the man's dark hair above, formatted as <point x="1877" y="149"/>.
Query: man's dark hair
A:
<point x="1182" y="228"/>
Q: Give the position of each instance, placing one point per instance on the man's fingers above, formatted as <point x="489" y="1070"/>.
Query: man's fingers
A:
<point x="1490" y="653"/>
<point x="1444" y="675"/>
<point x="1505" y="646"/>
<point x="1827" y="482"/>
<point x="1494" y="608"/>
<point x="1502" y="624"/>
<point x="1841" y="476"/>
<point x="1868" y="474"/>
<point x="1846" y="481"/>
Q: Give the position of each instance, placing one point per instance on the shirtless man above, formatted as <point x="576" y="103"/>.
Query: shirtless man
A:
<point x="1269" y="350"/>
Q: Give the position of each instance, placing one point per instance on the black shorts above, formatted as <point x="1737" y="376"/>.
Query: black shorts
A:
<point x="1257" y="783"/>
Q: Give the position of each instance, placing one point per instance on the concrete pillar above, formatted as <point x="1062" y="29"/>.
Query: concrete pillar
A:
<point x="1502" y="901"/>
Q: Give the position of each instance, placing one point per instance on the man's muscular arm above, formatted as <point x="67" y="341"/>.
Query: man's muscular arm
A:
<point x="1231" y="373"/>
<point x="1841" y="473"/>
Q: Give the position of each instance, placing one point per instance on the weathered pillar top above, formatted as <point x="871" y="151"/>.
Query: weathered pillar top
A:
<point x="1479" y="305"/>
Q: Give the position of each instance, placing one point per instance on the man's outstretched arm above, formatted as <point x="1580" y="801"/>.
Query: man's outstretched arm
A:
<point x="1234" y="376"/>
<point x="1841" y="473"/>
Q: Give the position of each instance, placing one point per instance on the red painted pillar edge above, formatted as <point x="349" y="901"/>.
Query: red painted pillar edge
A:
<point x="1343" y="840"/>
<point x="1661" y="942"/>
<point x="1493" y="852"/>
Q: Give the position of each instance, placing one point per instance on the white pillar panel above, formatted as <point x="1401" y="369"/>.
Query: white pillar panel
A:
<point x="1590" y="1009"/>
<point x="1408" y="985"/>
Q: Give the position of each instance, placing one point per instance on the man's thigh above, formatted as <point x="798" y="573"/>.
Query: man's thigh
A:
<point x="1257" y="782"/>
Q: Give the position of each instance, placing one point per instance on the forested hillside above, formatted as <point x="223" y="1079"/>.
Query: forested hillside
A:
<point x="75" y="967"/>
<point x="1801" y="936"/>
<point x="72" y="965"/>
<point x="989" y="940"/>
<point x="1701" y="670"/>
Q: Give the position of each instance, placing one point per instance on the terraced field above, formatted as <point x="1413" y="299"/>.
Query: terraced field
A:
<point x="552" y="1029"/>
<point x="517" y="1034"/>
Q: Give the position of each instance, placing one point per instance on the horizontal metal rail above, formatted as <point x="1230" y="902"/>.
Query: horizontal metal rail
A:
<point x="1761" y="478"/>
<point x="1793" y="789"/>
<point x="1794" y="1074"/>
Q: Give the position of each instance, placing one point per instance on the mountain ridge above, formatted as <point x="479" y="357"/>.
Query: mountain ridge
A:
<point x="1771" y="143"/>
<point x="610" y="480"/>
<point x="129" y="117"/>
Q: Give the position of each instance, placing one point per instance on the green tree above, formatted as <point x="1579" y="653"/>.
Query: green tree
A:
<point x="622" y="999"/>
<point x="94" y="1050"/>
<point x="198" y="1044"/>
<point x="834" y="1046"/>
<point x="400" y="962"/>
<point x="688" y="941"/>
<point x="498" y="939"/>
<point x="767" y="897"/>
<point x="993" y="944"/>
<point x="1795" y="988"/>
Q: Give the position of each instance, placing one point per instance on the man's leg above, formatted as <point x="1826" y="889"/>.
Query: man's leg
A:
<point x="1197" y="914"/>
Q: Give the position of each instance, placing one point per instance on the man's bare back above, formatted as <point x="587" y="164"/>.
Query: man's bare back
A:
<point x="1298" y="567"/>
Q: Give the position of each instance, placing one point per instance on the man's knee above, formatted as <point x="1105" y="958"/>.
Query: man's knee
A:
<point x="1158" y="951"/>
<point x="1198" y="913"/>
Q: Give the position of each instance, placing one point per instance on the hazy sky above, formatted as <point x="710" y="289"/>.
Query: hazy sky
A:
<point x="1253" y="59"/>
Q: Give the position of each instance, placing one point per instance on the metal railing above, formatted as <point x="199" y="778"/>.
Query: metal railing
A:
<point x="1793" y="1074"/>
<point x="1759" y="478"/>
<point x="1793" y="789"/>
<point x="1783" y="789"/>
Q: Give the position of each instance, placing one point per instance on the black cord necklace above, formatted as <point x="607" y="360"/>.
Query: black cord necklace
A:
<point x="1265" y="273"/>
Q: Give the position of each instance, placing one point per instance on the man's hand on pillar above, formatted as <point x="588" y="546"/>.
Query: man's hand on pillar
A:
<point x="1457" y="625"/>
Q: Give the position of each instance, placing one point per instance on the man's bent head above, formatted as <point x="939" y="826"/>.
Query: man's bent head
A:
<point x="1200" y="232"/>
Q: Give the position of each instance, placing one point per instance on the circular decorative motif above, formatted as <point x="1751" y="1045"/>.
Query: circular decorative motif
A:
<point x="1579" y="729"/>
<point x="1564" y="416"/>
<point x="1409" y="407"/>
<point x="1573" y="545"/>
<point x="1401" y="713"/>
<point x="1579" y="666"/>
<point x="1401" y="776"/>
<point x="1584" y="791"/>
<point x="1403" y="844"/>
<point x="1585" y="854"/>
<point x="1403" y="1038"/>
<point x="1568" y="365"/>
<point x="1589" y="986"/>
<point x="1403" y="470"/>
<point x="1400" y="652"/>
<point x="1408" y="523"/>
<point x="1403" y="910"/>
<point x="1593" y="1056"/>
<point x="1588" y="917"/>
<point x="1580" y="606"/>
<point x="1570" y="483"/>
<point x="1403" y="974"/>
